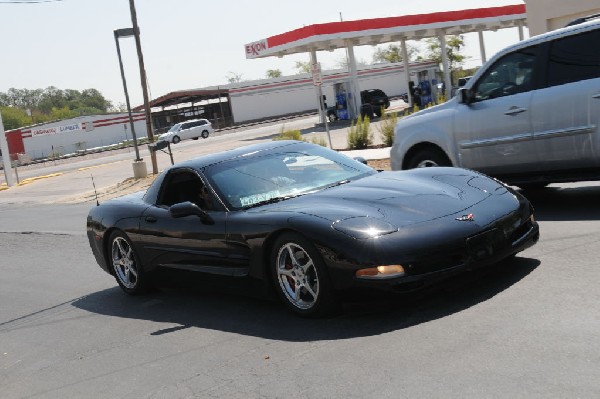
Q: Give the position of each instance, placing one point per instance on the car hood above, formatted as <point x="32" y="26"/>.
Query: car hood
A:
<point x="400" y="198"/>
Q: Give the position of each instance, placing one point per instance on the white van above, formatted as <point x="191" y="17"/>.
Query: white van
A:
<point x="192" y="129"/>
<point x="530" y="116"/>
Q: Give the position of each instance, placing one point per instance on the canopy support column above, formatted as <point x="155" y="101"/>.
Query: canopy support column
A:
<point x="445" y="64"/>
<point x="318" y="90"/>
<point x="482" y="48"/>
<point x="521" y="36"/>
<point x="406" y="71"/>
<point x="355" y="90"/>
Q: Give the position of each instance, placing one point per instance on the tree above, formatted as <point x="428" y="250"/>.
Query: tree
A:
<point x="303" y="66"/>
<point x="393" y="53"/>
<point x="51" y="103"/>
<point x="14" y="118"/>
<point x="273" y="73"/>
<point x="233" y="77"/>
<point x="454" y="44"/>
<point x="342" y="62"/>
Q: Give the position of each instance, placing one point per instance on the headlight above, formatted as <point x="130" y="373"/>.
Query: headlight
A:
<point x="364" y="227"/>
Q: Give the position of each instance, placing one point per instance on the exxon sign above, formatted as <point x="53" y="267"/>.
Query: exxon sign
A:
<point x="255" y="49"/>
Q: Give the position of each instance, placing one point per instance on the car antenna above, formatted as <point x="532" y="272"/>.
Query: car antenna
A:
<point x="95" y="192"/>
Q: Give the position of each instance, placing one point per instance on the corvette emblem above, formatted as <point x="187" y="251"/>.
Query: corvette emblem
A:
<point x="466" y="218"/>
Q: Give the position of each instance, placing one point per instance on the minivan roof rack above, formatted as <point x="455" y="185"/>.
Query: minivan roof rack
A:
<point x="582" y="20"/>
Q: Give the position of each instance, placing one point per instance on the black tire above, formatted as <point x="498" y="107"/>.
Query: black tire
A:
<point x="176" y="139"/>
<point x="428" y="157"/>
<point x="300" y="277"/>
<point x="205" y="134"/>
<point x="332" y="117"/>
<point x="366" y="110"/>
<point x="125" y="265"/>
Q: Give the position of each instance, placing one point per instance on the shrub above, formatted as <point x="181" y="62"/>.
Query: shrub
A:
<point x="386" y="128"/>
<point x="289" y="135"/>
<point x="319" y="141"/>
<point x="359" y="134"/>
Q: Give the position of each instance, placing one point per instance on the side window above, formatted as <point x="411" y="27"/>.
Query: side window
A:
<point x="185" y="126"/>
<point x="202" y="122"/>
<point x="574" y="58"/>
<point x="511" y="74"/>
<point x="182" y="186"/>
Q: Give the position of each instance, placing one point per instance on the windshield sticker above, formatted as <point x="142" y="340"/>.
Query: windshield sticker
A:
<point x="255" y="199"/>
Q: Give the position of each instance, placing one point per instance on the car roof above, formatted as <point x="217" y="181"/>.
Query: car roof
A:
<point x="210" y="159"/>
<point x="534" y="40"/>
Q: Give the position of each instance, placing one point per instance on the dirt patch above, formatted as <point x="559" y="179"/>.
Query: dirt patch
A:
<point x="128" y="186"/>
<point x="380" y="164"/>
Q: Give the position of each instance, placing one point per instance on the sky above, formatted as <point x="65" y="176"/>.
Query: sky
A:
<point x="186" y="44"/>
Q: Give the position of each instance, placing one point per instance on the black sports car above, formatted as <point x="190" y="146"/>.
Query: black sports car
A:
<point x="311" y="222"/>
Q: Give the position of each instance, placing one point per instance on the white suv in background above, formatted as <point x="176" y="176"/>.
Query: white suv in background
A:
<point x="530" y="116"/>
<point x="191" y="129"/>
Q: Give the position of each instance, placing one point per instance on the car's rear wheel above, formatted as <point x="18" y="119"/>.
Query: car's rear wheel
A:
<point x="300" y="277"/>
<point x="428" y="157"/>
<point x="176" y="139"/>
<point x="332" y="117"/>
<point x="205" y="134"/>
<point x="126" y="266"/>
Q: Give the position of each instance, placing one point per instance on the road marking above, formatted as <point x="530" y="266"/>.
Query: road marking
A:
<point x="32" y="179"/>
<point x="97" y="166"/>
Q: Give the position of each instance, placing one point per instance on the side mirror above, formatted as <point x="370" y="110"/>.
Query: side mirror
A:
<point x="188" y="208"/>
<point x="465" y="96"/>
<point x="361" y="160"/>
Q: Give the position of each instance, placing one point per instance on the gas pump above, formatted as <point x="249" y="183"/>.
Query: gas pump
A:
<point x="343" y="98"/>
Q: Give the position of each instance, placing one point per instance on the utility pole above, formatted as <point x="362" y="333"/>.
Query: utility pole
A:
<point x="138" y="44"/>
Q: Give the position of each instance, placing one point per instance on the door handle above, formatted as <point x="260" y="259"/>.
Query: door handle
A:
<point x="150" y="219"/>
<point x="515" y="110"/>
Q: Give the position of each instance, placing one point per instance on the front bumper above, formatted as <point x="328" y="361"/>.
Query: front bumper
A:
<point x="480" y="251"/>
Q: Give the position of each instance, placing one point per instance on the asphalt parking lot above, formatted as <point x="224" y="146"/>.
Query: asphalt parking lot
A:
<point x="528" y="328"/>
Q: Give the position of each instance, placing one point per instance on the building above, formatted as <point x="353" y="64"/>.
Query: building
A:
<point x="546" y="15"/>
<point x="73" y="135"/>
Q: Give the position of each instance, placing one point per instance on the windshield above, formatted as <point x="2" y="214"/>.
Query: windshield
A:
<point x="248" y="181"/>
<point x="175" y="127"/>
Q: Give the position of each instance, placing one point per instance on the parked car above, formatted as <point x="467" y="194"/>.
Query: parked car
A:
<point x="530" y="116"/>
<point x="192" y="129"/>
<point x="308" y="222"/>
<point x="373" y="101"/>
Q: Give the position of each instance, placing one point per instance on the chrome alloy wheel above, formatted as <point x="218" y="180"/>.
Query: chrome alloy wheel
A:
<point x="124" y="263"/>
<point x="297" y="276"/>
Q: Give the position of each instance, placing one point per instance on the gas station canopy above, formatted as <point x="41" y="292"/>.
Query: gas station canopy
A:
<point x="333" y="35"/>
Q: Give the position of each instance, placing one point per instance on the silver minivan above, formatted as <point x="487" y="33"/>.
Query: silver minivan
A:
<point x="529" y="116"/>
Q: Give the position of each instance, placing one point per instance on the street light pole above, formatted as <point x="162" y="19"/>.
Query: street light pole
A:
<point x="138" y="44"/>
<point x="124" y="33"/>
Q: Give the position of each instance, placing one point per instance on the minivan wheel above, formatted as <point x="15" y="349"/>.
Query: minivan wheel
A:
<point x="205" y="134"/>
<point x="176" y="139"/>
<point x="427" y="158"/>
<point x="332" y="117"/>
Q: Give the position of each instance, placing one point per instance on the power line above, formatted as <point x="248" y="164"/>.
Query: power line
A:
<point x="27" y="1"/>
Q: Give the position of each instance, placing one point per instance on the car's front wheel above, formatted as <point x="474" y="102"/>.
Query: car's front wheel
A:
<point x="205" y="134"/>
<point x="428" y="157"/>
<point x="332" y="117"/>
<point x="126" y="266"/>
<point x="176" y="139"/>
<point x="300" y="277"/>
